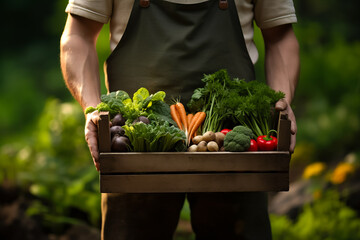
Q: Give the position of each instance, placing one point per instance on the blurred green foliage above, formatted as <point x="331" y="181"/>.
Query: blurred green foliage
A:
<point x="52" y="162"/>
<point x="42" y="147"/>
<point x="326" y="218"/>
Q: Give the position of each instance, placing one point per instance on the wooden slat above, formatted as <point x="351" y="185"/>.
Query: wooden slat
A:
<point x="195" y="162"/>
<point x="283" y="132"/>
<point x="104" y="132"/>
<point x="225" y="182"/>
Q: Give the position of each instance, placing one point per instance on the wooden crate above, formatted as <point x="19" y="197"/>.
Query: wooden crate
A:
<point x="134" y="172"/>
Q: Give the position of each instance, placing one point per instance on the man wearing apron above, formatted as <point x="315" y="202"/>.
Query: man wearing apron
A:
<point x="169" y="45"/>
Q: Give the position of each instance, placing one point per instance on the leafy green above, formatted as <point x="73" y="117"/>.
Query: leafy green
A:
<point x="234" y="101"/>
<point x="160" y="111"/>
<point x="142" y="104"/>
<point x="158" y="136"/>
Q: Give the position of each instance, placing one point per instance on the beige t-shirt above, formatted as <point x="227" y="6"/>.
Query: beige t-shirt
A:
<point x="266" y="14"/>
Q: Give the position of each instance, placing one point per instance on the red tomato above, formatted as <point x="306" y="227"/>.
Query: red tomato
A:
<point x="225" y="131"/>
<point x="253" y="146"/>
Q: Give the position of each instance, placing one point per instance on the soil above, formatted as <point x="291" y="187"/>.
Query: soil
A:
<point x="15" y="224"/>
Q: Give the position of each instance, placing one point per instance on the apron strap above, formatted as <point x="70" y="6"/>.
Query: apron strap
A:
<point x="144" y="3"/>
<point x="223" y="4"/>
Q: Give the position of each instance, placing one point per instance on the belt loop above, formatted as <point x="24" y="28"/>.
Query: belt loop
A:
<point x="144" y="3"/>
<point x="223" y="4"/>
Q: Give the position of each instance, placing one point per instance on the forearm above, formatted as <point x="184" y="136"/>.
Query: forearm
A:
<point x="79" y="66"/>
<point x="79" y="63"/>
<point x="282" y="62"/>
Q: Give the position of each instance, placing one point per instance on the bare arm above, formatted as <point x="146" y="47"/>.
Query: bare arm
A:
<point x="282" y="66"/>
<point x="80" y="68"/>
<point x="79" y="60"/>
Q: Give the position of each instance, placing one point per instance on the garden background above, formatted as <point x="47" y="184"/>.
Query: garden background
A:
<point x="49" y="187"/>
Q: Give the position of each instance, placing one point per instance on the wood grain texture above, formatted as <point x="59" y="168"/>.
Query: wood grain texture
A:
<point x="222" y="182"/>
<point x="283" y="132"/>
<point x="104" y="132"/>
<point x="198" y="162"/>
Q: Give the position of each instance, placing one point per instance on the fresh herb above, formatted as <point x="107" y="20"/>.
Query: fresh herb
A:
<point x="155" y="137"/>
<point x="235" y="101"/>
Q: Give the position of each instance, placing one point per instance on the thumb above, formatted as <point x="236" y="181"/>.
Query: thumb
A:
<point x="281" y="105"/>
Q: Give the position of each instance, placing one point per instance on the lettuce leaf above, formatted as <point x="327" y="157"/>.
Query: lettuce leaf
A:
<point x="141" y="104"/>
<point x="155" y="137"/>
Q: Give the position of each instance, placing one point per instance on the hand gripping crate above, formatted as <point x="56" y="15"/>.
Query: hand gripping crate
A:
<point x="160" y="172"/>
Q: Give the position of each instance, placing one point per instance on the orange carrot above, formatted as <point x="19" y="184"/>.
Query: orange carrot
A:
<point x="193" y="120"/>
<point x="199" y="119"/>
<point x="175" y="116"/>
<point x="182" y="113"/>
<point x="189" y="118"/>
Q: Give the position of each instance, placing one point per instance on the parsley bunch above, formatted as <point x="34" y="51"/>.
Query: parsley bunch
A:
<point x="235" y="101"/>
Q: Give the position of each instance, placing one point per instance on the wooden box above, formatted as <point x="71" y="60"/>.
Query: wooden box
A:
<point x="135" y="172"/>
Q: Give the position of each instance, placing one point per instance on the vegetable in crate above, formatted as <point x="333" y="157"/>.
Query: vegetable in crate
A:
<point x="119" y="142"/>
<point x="189" y="123"/>
<point x="235" y="101"/>
<point x="225" y="131"/>
<point x="142" y="103"/>
<point x="210" y="141"/>
<point x="253" y="146"/>
<point x="118" y="120"/>
<point x="157" y="136"/>
<point x="267" y="142"/>
<point x="238" y="140"/>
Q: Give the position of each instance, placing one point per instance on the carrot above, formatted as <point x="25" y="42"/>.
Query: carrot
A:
<point x="189" y="118"/>
<point x="182" y="113"/>
<point x="197" y="121"/>
<point x="193" y="120"/>
<point x="175" y="116"/>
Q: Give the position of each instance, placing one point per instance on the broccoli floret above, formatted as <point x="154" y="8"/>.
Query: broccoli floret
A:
<point x="238" y="140"/>
<point x="244" y="130"/>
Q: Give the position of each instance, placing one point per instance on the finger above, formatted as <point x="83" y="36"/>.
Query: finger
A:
<point x="293" y="127"/>
<point x="93" y="146"/>
<point x="292" y="143"/>
<point x="97" y="165"/>
<point x="281" y="105"/>
<point x="95" y="118"/>
<point x="91" y="137"/>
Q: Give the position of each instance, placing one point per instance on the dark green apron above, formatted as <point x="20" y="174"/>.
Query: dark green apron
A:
<point x="169" y="47"/>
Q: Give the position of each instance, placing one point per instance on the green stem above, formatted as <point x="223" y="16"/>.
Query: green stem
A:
<point x="268" y="135"/>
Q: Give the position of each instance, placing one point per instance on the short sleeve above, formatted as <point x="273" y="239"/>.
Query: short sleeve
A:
<point x="97" y="10"/>
<point x="274" y="13"/>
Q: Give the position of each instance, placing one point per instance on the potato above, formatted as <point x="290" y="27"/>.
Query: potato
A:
<point x="219" y="138"/>
<point x="209" y="136"/>
<point x="197" y="139"/>
<point x="201" y="147"/>
<point x="212" y="146"/>
<point x="193" y="148"/>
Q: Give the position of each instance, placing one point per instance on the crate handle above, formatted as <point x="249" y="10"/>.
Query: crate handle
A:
<point x="104" y="138"/>
<point x="284" y="134"/>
